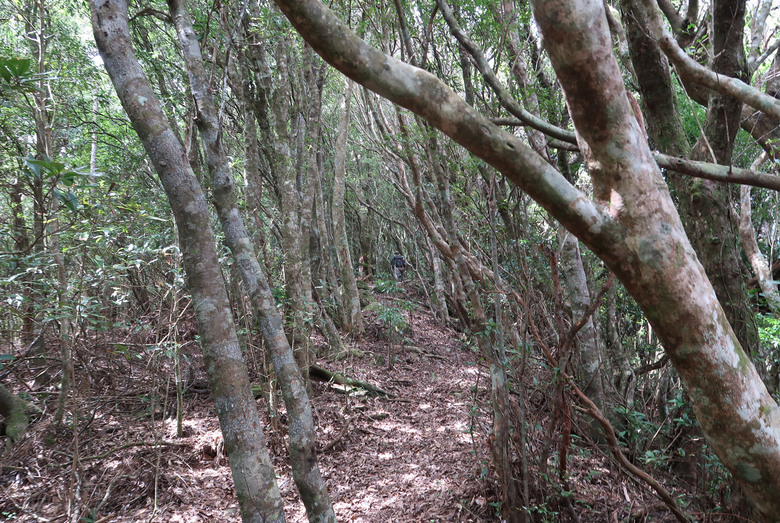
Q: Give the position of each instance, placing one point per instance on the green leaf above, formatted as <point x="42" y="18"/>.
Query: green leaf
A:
<point x="14" y="68"/>
<point x="71" y="201"/>
<point x="34" y="167"/>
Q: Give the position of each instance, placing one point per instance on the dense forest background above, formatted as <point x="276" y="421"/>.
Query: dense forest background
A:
<point x="198" y="218"/>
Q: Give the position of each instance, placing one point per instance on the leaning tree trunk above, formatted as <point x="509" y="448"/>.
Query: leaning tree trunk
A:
<point x="253" y="473"/>
<point x="350" y="296"/>
<point x="302" y="438"/>
<point x="633" y="226"/>
<point x="704" y="205"/>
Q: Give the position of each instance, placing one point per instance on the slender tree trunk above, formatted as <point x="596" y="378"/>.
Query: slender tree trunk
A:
<point x="350" y="296"/>
<point x="747" y="236"/>
<point x="302" y="438"/>
<point x="253" y="473"/>
<point x="289" y="203"/>
<point x="747" y="233"/>
<point x="44" y="114"/>
<point x="439" y="289"/>
<point x="327" y="250"/>
<point x="252" y="164"/>
<point x="21" y="245"/>
<point x="589" y="359"/>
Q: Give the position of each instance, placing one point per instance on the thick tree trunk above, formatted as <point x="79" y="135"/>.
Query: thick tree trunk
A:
<point x="302" y="438"/>
<point x="350" y="295"/>
<point x="253" y="473"/>
<point x="706" y="205"/>
<point x="634" y="226"/>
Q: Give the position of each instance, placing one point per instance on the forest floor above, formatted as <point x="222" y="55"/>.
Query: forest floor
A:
<point x="421" y="455"/>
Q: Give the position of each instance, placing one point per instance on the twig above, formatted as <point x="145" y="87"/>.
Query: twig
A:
<point x="340" y="435"/>
<point x="609" y="432"/>
<point x="612" y="442"/>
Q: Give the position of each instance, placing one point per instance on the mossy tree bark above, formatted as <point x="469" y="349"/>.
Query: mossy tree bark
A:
<point x="255" y="482"/>
<point x="302" y="438"/>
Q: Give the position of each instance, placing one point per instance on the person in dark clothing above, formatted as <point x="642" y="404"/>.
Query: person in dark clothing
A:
<point x="399" y="266"/>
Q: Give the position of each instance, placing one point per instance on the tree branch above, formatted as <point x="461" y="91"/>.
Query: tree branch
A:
<point x="701" y="75"/>
<point x="506" y="99"/>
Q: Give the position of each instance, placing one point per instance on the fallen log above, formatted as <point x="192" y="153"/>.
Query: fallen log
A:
<point x="336" y="377"/>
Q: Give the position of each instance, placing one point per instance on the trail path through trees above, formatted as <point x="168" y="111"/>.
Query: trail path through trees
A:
<point x="419" y="456"/>
<point x="407" y="458"/>
<point x="411" y="458"/>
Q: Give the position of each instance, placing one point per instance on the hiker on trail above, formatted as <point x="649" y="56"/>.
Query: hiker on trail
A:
<point x="399" y="266"/>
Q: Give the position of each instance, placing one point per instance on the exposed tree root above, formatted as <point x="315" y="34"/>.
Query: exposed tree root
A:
<point x="335" y="377"/>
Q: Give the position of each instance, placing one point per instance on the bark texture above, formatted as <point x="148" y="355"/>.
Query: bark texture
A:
<point x="253" y="473"/>
<point x="704" y="204"/>
<point x="588" y="354"/>
<point x="350" y="295"/>
<point x="635" y="229"/>
<point x="747" y="235"/>
<point x="302" y="438"/>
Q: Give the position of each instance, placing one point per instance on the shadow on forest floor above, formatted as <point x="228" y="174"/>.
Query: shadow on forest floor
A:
<point x="420" y="456"/>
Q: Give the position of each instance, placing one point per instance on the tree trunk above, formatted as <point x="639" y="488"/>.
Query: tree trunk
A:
<point x="253" y="473"/>
<point x="439" y="289"/>
<point x="302" y="438"/>
<point x="760" y="266"/>
<point x="706" y="205"/>
<point x="634" y="227"/>
<point x="43" y="114"/>
<point x="588" y="354"/>
<point x="350" y="295"/>
<point x="289" y="203"/>
<point x="21" y="245"/>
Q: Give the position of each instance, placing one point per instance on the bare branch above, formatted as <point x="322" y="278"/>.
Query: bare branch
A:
<point x="718" y="173"/>
<point x="506" y="99"/>
<point x="697" y="73"/>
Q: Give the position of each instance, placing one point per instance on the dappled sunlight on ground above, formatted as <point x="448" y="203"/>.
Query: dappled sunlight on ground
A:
<point x="408" y="458"/>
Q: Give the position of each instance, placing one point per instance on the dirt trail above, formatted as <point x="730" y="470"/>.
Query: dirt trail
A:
<point x="412" y="458"/>
<point x="409" y="458"/>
